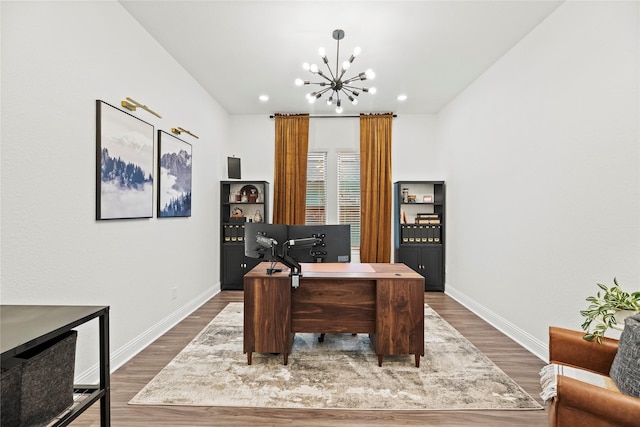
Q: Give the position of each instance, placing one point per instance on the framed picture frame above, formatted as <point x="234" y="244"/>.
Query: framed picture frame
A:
<point x="124" y="164"/>
<point x="174" y="176"/>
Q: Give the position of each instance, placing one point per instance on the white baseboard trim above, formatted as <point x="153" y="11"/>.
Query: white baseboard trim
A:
<point x="125" y="353"/>
<point x="526" y="340"/>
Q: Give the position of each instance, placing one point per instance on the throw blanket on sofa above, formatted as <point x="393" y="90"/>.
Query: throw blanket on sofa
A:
<point x="548" y="379"/>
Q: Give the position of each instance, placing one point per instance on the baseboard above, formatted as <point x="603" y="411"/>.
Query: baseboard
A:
<point x="125" y="353"/>
<point x="526" y="340"/>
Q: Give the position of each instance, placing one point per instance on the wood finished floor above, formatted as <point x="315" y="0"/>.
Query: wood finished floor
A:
<point x="517" y="362"/>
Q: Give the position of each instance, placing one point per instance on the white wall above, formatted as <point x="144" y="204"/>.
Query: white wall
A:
<point x="542" y="161"/>
<point x="57" y="59"/>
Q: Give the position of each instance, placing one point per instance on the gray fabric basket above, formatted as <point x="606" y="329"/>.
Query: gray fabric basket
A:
<point x="37" y="385"/>
<point x="625" y="370"/>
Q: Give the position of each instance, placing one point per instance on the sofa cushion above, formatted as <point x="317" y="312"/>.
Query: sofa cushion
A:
<point x="625" y="370"/>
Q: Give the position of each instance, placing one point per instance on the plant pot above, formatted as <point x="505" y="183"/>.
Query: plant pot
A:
<point x="620" y="316"/>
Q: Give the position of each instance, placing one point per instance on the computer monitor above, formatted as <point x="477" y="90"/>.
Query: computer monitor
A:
<point x="263" y="240"/>
<point x="233" y="168"/>
<point x="335" y="243"/>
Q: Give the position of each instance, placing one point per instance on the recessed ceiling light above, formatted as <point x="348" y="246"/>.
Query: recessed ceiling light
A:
<point x="402" y="97"/>
<point x="264" y="98"/>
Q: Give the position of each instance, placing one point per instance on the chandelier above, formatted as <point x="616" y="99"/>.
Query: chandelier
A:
<point x="336" y="83"/>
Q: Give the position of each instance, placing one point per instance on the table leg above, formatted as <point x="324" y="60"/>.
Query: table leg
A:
<point x="380" y="360"/>
<point x="286" y="358"/>
<point x="249" y="357"/>
<point x="417" y="360"/>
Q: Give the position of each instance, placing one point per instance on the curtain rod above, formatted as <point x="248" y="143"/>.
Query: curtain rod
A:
<point x="352" y="116"/>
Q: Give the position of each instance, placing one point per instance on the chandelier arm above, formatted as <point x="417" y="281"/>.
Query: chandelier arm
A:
<point x="324" y="77"/>
<point x="353" y="79"/>
<point x="319" y="84"/>
<point x="352" y="88"/>
<point x="322" y="92"/>
<point x="333" y="77"/>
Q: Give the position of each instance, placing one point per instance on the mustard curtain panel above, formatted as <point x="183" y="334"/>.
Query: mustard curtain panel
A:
<point x="290" y="173"/>
<point x="375" y="187"/>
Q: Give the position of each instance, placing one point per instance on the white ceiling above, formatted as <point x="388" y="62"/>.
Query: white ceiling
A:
<point x="429" y="50"/>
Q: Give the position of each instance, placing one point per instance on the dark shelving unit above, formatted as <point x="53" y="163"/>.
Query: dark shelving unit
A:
<point x="420" y="229"/>
<point x="241" y="202"/>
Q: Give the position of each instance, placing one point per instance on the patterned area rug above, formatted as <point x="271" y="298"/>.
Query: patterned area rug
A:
<point x="340" y="373"/>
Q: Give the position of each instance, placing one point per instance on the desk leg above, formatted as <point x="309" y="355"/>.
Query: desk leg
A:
<point x="417" y="360"/>
<point x="380" y="360"/>
<point x="249" y="353"/>
<point x="286" y="358"/>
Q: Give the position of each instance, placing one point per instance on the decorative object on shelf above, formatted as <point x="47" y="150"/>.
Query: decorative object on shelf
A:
<point x="427" y="199"/>
<point x="336" y="83"/>
<point x="405" y="195"/>
<point x="124" y="164"/>
<point x="427" y="218"/>
<point x="258" y="216"/>
<point x="179" y="130"/>
<point x="253" y="195"/>
<point x="236" y="213"/>
<point x="131" y="105"/>
<point x="246" y="193"/>
<point x="411" y="198"/>
<point x="174" y="172"/>
<point x="605" y="309"/>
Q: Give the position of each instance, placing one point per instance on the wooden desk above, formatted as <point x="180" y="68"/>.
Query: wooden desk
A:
<point x="384" y="300"/>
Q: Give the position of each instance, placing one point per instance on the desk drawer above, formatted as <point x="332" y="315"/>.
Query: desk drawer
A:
<point x="334" y="306"/>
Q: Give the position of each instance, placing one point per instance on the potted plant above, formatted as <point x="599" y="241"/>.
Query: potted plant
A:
<point x="605" y="308"/>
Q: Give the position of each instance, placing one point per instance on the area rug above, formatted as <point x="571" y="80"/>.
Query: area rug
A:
<point x="340" y="373"/>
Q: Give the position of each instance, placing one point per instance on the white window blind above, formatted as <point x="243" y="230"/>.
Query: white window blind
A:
<point x="349" y="193"/>
<point x="316" y="208"/>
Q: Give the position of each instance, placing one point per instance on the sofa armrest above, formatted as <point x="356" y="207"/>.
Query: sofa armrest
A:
<point x="579" y="403"/>
<point x="567" y="347"/>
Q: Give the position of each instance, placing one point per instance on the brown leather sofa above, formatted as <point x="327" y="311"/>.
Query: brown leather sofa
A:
<point x="581" y="404"/>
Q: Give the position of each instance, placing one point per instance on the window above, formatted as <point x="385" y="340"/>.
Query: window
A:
<point x="342" y="183"/>
<point x="316" y="209"/>
<point x="349" y="193"/>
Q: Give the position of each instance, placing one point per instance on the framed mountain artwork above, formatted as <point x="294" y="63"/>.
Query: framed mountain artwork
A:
<point x="124" y="164"/>
<point x="174" y="176"/>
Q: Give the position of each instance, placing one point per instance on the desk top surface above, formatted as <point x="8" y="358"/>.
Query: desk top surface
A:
<point x="342" y="270"/>
<point x="22" y="324"/>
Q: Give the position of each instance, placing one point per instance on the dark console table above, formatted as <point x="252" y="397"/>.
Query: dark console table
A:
<point x="23" y="327"/>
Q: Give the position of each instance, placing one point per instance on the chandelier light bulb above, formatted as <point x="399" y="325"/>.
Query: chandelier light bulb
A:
<point x="370" y="74"/>
<point x="329" y="101"/>
<point x="372" y="90"/>
<point x="311" y="99"/>
<point x="299" y="82"/>
<point x="313" y="68"/>
<point x="306" y="66"/>
<point x="354" y="101"/>
<point x="338" y="110"/>
<point x="322" y="52"/>
<point x="356" y="51"/>
<point x="346" y="65"/>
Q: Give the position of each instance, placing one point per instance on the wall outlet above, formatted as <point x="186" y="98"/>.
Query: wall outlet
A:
<point x="174" y="293"/>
